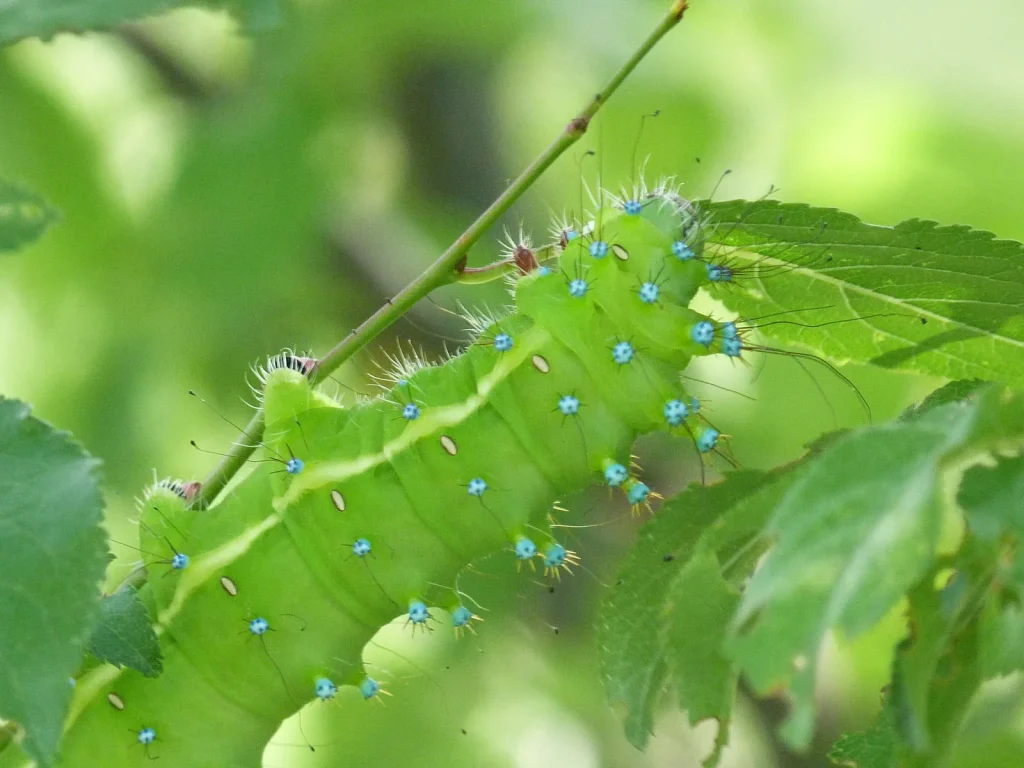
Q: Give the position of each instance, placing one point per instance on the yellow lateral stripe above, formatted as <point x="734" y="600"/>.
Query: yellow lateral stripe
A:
<point x="432" y="420"/>
<point x="205" y="566"/>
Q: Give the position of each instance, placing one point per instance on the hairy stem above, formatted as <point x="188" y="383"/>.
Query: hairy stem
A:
<point x="448" y="266"/>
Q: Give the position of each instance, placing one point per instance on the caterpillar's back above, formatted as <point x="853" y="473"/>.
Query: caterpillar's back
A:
<point x="363" y="515"/>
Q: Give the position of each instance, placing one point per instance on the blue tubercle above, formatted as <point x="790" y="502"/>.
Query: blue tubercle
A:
<point x="638" y="493"/>
<point x="648" y="293"/>
<point x="369" y="688"/>
<point x="361" y="547"/>
<point x="461" y="616"/>
<point x="179" y="562"/>
<point x="718" y="273"/>
<point x="708" y="440"/>
<point x="325" y="689"/>
<point x="682" y="251"/>
<point x="525" y="548"/>
<point x="146" y="736"/>
<point x="599" y="249"/>
<point x="729" y="330"/>
<point x="418" y="613"/>
<point x="259" y="626"/>
<point x="554" y="555"/>
<point x="411" y="412"/>
<point x="703" y="333"/>
<point x="622" y="352"/>
<point x="569" y="405"/>
<point x="543" y="271"/>
<point x="632" y="207"/>
<point x="477" y="486"/>
<point x="578" y="288"/>
<point x="615" y="475"/>
<point x="503" y="342"/>
<point x="570" y="235"/>
<point x="676" y="412"/>
<point x="732" y="347"/>
<point x="694" y="405"/>
<point x="294" y="466"/>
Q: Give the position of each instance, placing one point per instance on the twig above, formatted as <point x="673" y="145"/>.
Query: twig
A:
<point x="447" y="267"/>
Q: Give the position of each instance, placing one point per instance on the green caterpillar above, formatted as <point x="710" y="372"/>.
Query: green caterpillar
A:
<point x="456" y="462"/>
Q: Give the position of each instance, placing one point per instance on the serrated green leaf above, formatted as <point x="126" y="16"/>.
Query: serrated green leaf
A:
<point x="874" y="748"/>
<point x="124" y="634"/>
<point x="954" y="296"/>
<point x="24" y="216"/>
<point x="629" y="636"/>
<point x="53" y="551"/>
<point x="724" y="520"/>
<point x="45" y="18"/>
<point x="700" y="606"/>
<point x="856" y="529"/>
<point x="953" y="392"/>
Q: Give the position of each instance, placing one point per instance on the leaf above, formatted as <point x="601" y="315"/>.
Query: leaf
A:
<point x="54" y="553"/>
<point x="953" y="392"/>
<point x="933" y="683"/>
<point x="1002" y="640"/>
<point x="855" y="530"/>
<point x="993" y="499"/>
<point x="874" y="748"/>
<point x="953" y="296"/>
<point x="45" y="18"/>
<point x="722" y="521"/>
<point x="629" y="637"/>
<point x="124" y="634"/>
<point x="701" y="604"/>
<point x="24" y="216"/>
<point x="933" y="617"/>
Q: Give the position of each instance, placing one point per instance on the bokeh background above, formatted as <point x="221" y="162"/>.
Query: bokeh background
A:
<point x="226" y="193"/>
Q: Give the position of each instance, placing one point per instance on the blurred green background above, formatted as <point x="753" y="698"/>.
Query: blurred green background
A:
<point x="225" y="194"/>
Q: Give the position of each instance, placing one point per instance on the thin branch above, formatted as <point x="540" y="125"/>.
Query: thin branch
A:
<point x="447" y="267"/>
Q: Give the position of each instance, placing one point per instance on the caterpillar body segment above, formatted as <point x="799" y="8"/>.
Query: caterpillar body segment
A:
<point x="496" y="435"/>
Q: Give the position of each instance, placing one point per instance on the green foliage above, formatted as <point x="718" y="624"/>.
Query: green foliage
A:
<point x="24" y="216"/>
<point x="873" y="748"/>
<point x="53" y="553"/>
<point x="124" y="635"/>
<point x="45" y="18"/>
<point x="701" y="604"/>
<point x="256" y="164"/>
<point x="854" y="529"/>
<point x="942" y="300"/>
<point x="647" y="623"/>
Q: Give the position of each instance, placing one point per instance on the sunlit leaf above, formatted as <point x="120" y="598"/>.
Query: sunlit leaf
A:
<point x="941" y="300"/>
<point x="53" y="552"/>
